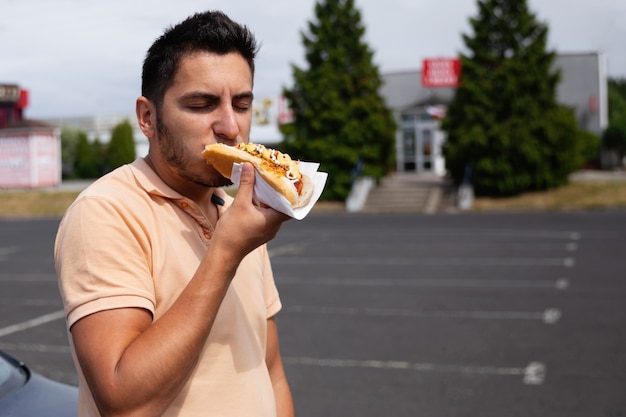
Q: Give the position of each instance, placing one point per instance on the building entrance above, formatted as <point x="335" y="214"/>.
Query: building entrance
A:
<point x="421" y="145"/>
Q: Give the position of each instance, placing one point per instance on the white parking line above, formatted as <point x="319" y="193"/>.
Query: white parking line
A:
<point x="30" y="347"/>
<point x="520" y="262"/>
<point x="533" y="374"/>
<point x="449" y="234"/>
<point x="28" y="277"/>
<point x="5" y="251"/>
<point x="30" y="302"/>
<point x="291" y="249"/>
<point x="558" y="284"/>
<point x="548" y="316"/>
<point x="38" y="321"/>
<point x="429" y="245"/>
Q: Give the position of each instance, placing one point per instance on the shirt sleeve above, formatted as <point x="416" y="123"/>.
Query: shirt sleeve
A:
<point x="102" y="257"/>
<point x="272" y="298"/>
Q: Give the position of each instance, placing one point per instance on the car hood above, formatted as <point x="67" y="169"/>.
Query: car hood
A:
<point x="41" y="397"/>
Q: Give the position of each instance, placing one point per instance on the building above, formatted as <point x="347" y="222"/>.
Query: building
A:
<point x="264" y="128"/>
<point x="13" y="101"/>
<point x="30" y="152"/>
<point x="101" y="128"/>
<point x="418" y="108"/>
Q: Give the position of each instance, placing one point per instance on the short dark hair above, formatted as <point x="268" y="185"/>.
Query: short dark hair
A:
<point x="210" y="31"/>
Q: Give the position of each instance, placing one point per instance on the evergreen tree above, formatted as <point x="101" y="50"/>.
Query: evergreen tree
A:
<point x="340" y="119"/>
<point x="87" y="163"/>
<point x="100" y="151"/>
<point x="504" y="121"/>
<point x="614" y="139"/>
<point x="121" y="149"/>
<point x="69" y="150"/>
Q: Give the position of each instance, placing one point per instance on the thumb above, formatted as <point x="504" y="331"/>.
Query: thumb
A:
<point x="246" y="181"/>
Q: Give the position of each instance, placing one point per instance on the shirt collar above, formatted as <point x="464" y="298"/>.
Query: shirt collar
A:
<point x="153" y="184"/>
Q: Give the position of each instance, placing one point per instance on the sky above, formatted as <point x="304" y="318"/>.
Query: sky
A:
<point x="84" y="57"/>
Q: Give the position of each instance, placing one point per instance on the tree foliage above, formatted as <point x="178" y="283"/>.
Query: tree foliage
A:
<point x="87" y="164"/>
<point x="340" y="119"/>
<point x="82" y="158"/>
<point x="69" y="149"/>
<point x="121" y="149"/>
<point x="617" y="102"/>
<point x="504" y="120"/>
<point x="614" y="137"/>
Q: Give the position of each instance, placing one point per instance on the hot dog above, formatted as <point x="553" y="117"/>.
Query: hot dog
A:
<point x="276" y="168"/>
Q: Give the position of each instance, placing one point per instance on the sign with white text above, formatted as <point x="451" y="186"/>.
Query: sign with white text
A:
<point x="441" y="72"/>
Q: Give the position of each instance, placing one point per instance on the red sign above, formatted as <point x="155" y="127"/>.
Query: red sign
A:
<point x="23" y="102"/>
<point x="441" y="72"/>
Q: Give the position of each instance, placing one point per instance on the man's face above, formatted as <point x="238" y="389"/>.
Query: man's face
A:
<point x="209" y="102"/>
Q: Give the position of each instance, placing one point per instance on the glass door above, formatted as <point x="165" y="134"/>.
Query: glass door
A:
<point x="426" y="149"/>
<point x="408" y="149"/>
<point x="419" y="144"/>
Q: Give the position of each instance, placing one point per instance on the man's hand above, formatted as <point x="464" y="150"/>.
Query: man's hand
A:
<point x="245" y="225"/>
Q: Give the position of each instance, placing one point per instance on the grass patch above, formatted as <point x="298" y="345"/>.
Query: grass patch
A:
<point x="579" y="195"/>
<point x="35" y="203"/>
<point x="591" y="195"/>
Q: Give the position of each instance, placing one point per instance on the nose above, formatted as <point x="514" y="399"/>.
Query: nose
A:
<point x="226" y="126"/>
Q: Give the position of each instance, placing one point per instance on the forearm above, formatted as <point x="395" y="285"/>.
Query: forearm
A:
<point x="157" y="365"/>
<point x="274" y="362"/>
<point x="284" y="400"/>
<point x="143" y="370"/>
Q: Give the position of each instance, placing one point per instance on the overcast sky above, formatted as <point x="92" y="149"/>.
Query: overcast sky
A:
<point x="83" y="57"/>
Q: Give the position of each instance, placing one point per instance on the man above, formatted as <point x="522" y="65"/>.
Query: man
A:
<point x="166" y="281"/>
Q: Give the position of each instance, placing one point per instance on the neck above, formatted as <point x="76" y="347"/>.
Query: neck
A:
<point x="199" y="194"/>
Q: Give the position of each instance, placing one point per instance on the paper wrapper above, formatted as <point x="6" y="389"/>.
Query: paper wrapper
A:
<point x="264" y="192"/>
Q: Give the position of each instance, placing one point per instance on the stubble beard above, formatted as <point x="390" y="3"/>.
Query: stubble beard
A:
<point x="178" y="157"/>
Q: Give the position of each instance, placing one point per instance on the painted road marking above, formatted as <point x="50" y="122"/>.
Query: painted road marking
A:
<point x="559" y="284"/>
<point x="30" y="302"/>
<point x="532" y="374"/>
<point x="512" y="262"/>
<point x="548" y="316"/>
<point x="38" y="321"/>
<point x="448" y="234"/>
<point x="420" y="245"/>
<point x="6" y="251"/>
<point x="291" y="249"/>
<point x="535" y="373"/>
<point x="28" y="277"/>
<point x="31" y="347"/>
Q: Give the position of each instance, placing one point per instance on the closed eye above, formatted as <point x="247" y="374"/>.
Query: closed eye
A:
<point x="200" y="102"/>
<point x="243" y="103"/>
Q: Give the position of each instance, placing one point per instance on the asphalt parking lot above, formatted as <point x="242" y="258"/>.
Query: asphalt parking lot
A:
<point x="517" y="314"/>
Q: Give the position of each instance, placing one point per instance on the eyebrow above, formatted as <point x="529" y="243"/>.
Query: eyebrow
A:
<point x="213" y="97"/>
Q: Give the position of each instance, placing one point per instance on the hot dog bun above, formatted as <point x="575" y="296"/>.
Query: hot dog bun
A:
<point x="275" y="167"/>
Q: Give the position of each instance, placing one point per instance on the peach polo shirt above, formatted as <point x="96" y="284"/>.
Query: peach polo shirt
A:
<point x="129" y="240"/>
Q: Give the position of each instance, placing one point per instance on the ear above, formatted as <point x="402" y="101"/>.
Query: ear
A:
<point x="146" y="117"/>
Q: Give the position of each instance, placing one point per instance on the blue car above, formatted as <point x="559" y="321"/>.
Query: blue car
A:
<point x="24" y="393"/>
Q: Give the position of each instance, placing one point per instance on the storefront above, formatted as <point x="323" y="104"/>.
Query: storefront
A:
<point x="420" y="141"/>
<point x="30" y="151"/>
<point x="30" y="157"/>
<point x="419" y="101"/>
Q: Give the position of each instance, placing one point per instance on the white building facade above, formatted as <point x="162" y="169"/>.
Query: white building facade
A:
<point x="418" y="109"/>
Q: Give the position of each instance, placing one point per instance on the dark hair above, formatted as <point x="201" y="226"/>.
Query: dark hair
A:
<point x="210" y="31"/>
